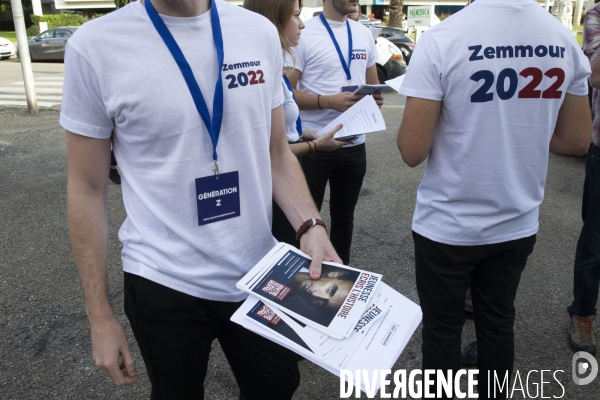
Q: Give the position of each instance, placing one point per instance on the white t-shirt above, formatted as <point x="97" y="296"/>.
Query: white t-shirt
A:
<point x="290" y="112"/>
<point x="487" y="166"/>
<point x="121" y="79"/>
<point x="321" y="68"/>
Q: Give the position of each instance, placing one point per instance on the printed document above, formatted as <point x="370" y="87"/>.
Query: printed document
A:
<point x="363" y="117"/>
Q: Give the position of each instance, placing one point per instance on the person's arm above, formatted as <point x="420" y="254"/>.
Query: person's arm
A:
<point x="88" y="162"/>
<point x="291" y="193"/>
<point x="339" y="102"/>
<point x="573" y="131"/>
<point x="416" y="131"/>
<point x="325" y="142"/>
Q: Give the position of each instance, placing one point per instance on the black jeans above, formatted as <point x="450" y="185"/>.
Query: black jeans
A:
<point x="345" y="169"/>
<point x="282" y="229"/>
<point x="587" y="257"/>
<point x="175" y="331"/>
<point x="444" y="273"/>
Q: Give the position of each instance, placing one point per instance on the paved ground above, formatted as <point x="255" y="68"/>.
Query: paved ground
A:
<point x="44" y="344"/>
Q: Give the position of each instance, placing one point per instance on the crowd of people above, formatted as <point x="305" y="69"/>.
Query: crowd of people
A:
<point x="219" y="159"/>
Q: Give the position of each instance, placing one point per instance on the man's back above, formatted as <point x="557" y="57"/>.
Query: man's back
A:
<point x="501" y="71"/>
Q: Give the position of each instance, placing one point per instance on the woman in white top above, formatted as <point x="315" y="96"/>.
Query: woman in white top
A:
<point x="285" y="15"/>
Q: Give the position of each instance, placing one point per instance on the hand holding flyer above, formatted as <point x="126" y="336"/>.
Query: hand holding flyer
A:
<point x="332" y="304"/>
<point x="363" y="117"/>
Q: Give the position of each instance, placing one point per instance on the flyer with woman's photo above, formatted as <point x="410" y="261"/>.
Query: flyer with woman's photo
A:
<point x="333" y="304"/>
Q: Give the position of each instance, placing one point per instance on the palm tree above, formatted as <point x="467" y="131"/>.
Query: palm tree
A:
<point x="396" y="13"/>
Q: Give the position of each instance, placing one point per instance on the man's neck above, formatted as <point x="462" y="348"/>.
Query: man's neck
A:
<point x="331" y="13"/>
<point x="181" y="8"/>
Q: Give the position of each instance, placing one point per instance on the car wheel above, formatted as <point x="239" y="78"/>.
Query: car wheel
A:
<point x="5" y="57"/>
<point x="381" y="74"/>
<point x="406" y="53"/>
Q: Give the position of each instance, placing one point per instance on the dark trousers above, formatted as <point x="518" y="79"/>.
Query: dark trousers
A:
<point x="175" y="331"/>
<point x="587" y="257"/>
<point x="444" y="273"/>
<point x="282" y="230"/>
<point x="345" y="169"/>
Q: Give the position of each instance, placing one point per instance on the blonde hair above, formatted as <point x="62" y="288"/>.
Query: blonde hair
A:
<point x="279" y="13"/>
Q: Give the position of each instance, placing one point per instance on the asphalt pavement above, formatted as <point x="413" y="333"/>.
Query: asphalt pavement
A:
<point x="45" y="349"/>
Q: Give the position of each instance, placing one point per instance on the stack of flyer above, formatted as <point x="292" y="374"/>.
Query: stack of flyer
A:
<point x="346" y="320"/>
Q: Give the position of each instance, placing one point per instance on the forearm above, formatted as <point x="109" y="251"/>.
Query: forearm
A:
<point x="88" y="163"/>
<point x="300" y="149"/>
<point x="307" y="101"/>
<point x="88" y="230"/>
<point x="290" y="190"/>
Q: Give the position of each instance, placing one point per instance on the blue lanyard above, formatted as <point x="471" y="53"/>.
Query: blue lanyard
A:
<point x="298" y="121"/>
<point x="214" y="127"/>
<point x="337" y="46"/>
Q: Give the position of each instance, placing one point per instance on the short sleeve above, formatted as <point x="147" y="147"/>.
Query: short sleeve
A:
<point x="300" y="56"/>
<point x="277" y="97"/>
<point x="83" y="110"/>
<point x="582" y="71"/>
<point x="423" y="79"/>
<point x="373" y="53"/>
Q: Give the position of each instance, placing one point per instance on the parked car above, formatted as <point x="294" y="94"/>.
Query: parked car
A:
<point x="390" y="64"/>
<point x="399" y="38"/>
<point x="50" y="44"/>
<point x="7" y="49"/>
<point x="365" y="20"/>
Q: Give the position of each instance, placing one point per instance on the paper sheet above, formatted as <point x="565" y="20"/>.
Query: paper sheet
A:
<point x="396" y="83"/>
<point x="380" y="348"/>
<point x="363" y="117"/>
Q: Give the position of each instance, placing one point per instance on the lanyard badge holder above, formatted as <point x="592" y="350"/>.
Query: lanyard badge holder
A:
<point x="217" y="196"/>
<point x="337" y="46"/>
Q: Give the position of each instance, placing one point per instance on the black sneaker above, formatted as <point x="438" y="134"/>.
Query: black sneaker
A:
<point x="114" y="176"/>
<point x="468" y="357"/>
<point x="581" y="334"/>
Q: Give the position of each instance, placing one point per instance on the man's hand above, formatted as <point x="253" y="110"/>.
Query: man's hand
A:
<point x="111" y="351"/>
<point x="340" y="102"/>
<point x="316" y="244"/>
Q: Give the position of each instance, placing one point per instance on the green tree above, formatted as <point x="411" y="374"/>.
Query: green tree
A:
<point x="121" y="3"/>
<point x="27" y="9"/>
<point x="5" y="6"/>
<point x="396" y="13"/>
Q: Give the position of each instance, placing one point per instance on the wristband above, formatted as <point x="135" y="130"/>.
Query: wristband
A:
<point x="319" y="101"/>
<point x="309" y="224"/>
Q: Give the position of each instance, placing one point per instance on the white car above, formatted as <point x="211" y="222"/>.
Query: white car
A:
<point x="7" y="49"/>
<point x="390" y="64"/>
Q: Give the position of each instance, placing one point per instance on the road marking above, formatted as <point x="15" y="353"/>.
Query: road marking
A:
<point x="48" y="90"/>
<point x="23" y="97"/>
<point x="49" y="78"/>
<point x="39" y="82"/>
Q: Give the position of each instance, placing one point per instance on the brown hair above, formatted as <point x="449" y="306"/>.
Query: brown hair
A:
<point x="279" y="13"/>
